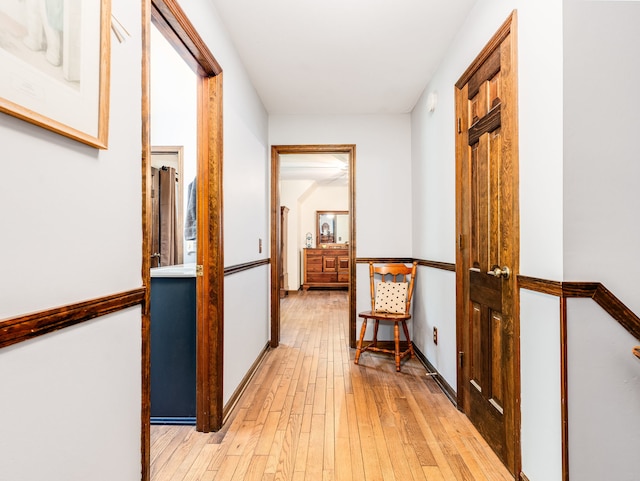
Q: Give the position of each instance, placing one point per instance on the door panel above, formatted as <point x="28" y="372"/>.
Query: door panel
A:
<point x="487" y="305"/>
<point x="486" y="372"/>
<point x="486" y="291"/>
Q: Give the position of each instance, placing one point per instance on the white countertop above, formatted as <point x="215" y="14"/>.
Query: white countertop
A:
<point x="178" y="270"/>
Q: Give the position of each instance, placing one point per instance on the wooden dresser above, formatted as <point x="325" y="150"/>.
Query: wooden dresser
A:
<point x="327" y="267"/>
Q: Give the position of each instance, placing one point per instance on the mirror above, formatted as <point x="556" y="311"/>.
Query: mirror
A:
<point x="332" y="228"/>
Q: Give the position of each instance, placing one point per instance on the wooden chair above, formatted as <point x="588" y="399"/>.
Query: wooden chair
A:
<point x="390" y="302"/>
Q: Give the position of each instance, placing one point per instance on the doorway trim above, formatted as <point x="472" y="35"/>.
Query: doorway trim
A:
<point x="173" y="23"/>
<point x="276" y="151"/>
<point x="509" y="125"/>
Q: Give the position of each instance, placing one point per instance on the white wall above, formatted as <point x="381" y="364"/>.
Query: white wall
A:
<point x="75" y="231"/>
<point x="541" y="219"/>
<point x="320" y="198"/>
<point x="435" y="306"/>
<point x="433" y="142"/>
<point x="383" y="179"/>
<point x="577" y="194"/>
<point x="383" y="164"/>
<point x="174" y="111"/>
<point x="246" y="199"/>
<point x="602" y="47"/>
<point x="291" y="192"/>
<point x="246" y="156"/>
<point x="602" y="43"/>
<point x="540" y="391"/>
<point x="72" y="217"/>
<point x="603" y="396"/>
<point x="70" y="403"/>
<point x="248" y="334"/>
<point x="304" y="198"/>
<point x="324" y="197"/>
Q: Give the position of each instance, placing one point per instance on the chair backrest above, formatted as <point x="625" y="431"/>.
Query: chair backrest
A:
<point x="392" y="273"/>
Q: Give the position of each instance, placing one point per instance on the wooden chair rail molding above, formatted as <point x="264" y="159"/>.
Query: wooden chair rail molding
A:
<point x="245" y="267"/>
<point x="445" y="266"/>
<point x="595" y="290"/>
<point x="384" y="260"/>
<point x="23" y="328"/>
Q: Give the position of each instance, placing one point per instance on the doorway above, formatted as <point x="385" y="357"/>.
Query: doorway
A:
<point x="167" y="203"/>
<point x="170" y="20"/>
<point x="339" y="155"/>
<point x="487" y="259"/>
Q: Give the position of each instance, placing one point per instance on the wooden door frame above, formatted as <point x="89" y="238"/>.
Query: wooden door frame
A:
<point x="276" y="151"/>
<point x="509" y="126"/>
<point x="171" y="20"/>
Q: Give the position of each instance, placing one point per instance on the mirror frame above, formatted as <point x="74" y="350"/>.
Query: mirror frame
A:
<point x="325" y="212"/>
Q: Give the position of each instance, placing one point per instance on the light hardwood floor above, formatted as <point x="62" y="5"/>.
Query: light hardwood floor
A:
<point x="310" y="414"/>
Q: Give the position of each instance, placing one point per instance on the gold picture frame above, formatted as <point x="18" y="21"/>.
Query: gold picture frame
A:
<point x="55" y="57"/>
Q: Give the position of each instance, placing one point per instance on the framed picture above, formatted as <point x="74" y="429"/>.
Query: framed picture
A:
<point x="55" y="57"/>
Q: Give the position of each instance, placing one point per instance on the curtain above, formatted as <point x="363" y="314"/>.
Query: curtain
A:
<point x="166" y="241"/>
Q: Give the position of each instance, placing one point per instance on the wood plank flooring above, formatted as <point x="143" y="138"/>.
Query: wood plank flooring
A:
<point x="310" y="414"/>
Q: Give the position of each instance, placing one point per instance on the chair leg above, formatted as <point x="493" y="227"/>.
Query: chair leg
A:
<point x="406" y="334"/>
<point x="359" y="348"/>
<point x="396" y="337"/>
<point x="375" y="333"/>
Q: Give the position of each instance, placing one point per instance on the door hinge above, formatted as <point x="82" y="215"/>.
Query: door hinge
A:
<point x="460" y="242"/>
<point x="459" y="125"/>
<point x="199" y="271"/>
<point x="460" y="359"/>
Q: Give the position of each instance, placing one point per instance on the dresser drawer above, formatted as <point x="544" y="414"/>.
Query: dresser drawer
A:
<point x="322" y="277"/>
<point x="313" y="263"/>
<point x="314" y="267"/>
<point x="343" y="263"/>
<point x="343" y="277"/>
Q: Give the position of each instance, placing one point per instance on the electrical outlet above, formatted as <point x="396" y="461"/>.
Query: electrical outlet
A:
<point x="435" y="335"/>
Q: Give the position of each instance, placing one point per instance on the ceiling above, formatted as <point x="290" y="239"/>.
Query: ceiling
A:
<point x="325" y="169"/>
<point x="341" y="56"/>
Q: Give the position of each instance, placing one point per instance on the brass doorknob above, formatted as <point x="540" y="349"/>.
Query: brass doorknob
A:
<point x="504" y="273"/>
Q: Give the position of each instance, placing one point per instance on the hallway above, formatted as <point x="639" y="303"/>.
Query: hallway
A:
<point x="310" y="414"/>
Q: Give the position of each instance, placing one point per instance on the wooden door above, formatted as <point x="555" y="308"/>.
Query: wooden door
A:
<point x="487" y="224"/>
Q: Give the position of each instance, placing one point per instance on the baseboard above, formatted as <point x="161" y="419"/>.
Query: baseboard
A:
<point x="444" y="385"/>
<point x="235" y="397"/>
<point x="174" y="420"/>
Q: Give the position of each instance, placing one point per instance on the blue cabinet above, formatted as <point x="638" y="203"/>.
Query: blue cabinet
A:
<point x="173" y="350"/>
